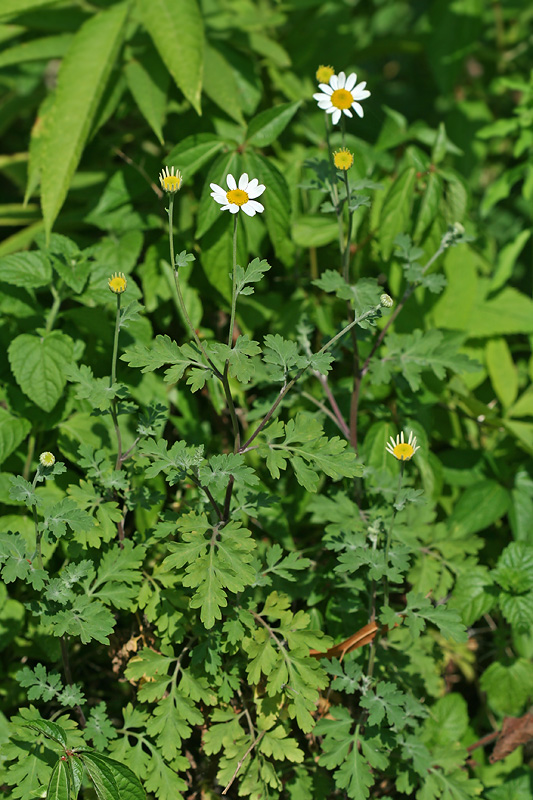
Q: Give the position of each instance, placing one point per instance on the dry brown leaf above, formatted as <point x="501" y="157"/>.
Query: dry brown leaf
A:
<point x="515" y="731"/>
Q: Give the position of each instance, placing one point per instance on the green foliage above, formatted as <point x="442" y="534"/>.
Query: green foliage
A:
<point x="225" y="583"/>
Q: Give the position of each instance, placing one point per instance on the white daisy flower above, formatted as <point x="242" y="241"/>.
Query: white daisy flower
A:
<point x="340" y="95"/>
<point x="241" y="196"/>
<point x="400" y="449"/>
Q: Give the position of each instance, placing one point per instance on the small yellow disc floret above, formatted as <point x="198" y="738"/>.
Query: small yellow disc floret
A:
<point x="323" y="74"/>
<point x="401" y="449"/>
<point x="343" y="159"/>
<point x="170" y="180"/>
<point x="117" y="283"/>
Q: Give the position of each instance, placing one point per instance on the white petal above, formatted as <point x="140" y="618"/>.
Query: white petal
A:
<point x="360" y="94"/>
<point x="248" y="209"/>
<point x="325" y="88"/>
<point x="218" y="189"/>
<point x="347" y="112"/>
<point x="233" y="207"/>
<point x="336" y="115"/>
<point x="323" y="104"/>
<point x="226" y="207"/>
<point x="351" y="80"/>
<point x="358" y="109"/>
<point x="219" y="198"/>
<point x="255" y="205"/>
<point x="331" y="109"/>
<point x="251" y="186"/>
<point x="243" y="181"/>
<point x="334" y="82"/>
<point x="342" y="80"/>
<point x="321" y="97"/>
<point x="256" y="191"/>
<point x="230" y="180"/>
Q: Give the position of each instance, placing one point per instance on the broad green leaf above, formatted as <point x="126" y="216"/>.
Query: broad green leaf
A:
<point x="502" y="371"/>
<point x="177" y="30"/>
<point x="193" y="152"/>
<point x="13" y="431"/>
<point x="127" y="783"/>
<point x="38" y="364"/>
<point x="101" y="776"/>
<point x="472" y="596"/>
<point x="396" y="210"/>
<point x="508" y="686"/>
<point x="266" y="127"/>
<point x="50" y="729"/>
<point x="220" y="84"/>
<point x="439" y="147"/>
<point x="81" y="84"/>
<point x="38" y="49"/>
<point x="59" y="786"/>
<point x="510" y="311"/>
<point x="12" y="8"/>
<point x="276" y="200"/>
<point x="28" y="270"/>
<point x="148" y="81"/>
<point x="314" y="230"/>
<point x="209" y="211"/>
<point x="478" y="507"/>
<point x="429" y="205"/>
<point x="507" y="259"/>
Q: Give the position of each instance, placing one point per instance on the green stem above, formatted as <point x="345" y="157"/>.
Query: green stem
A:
<point x="389" y="532"/>
<point x="234" y="283"/>
<point x="31" y="450"/>
<point x="346" y="255"/>
<point x="112" y="381"/>
<point x="38" y="533"/>
<point x="56" y="305"/>
<point x="181" y="301"/>
<point x="288" y="386"/>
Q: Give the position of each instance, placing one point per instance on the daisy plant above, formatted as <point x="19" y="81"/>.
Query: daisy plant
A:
<point x="341" y="95"/>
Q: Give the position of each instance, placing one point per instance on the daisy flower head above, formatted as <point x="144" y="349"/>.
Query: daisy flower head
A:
<point x="239" y="197"/>
<point x="117" y="283"/>
<point x="47" y="459"/>
<point x="343" y="159"/>
<point x="340" y="95"/>
<point x="323" y="74"/>
<point x="402" y="450"/>
<point x="170" y="181"/>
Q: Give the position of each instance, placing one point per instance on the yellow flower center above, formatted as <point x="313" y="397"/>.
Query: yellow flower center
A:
<point x="47" y="459"/>
<point x="343" y="159"/>
<point x="237" y="196"/>
<point x="117" y="283"/>
<point x="342" y="98"/>
<point x="323" y="74"/>
<point x="171" y="183"/>
<point x="403" y="451"/>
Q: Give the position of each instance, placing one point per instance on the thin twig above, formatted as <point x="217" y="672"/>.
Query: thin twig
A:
<point x="243" y="759"/>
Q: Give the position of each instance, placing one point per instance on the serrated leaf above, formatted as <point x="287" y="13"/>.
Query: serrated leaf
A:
<point x="81" y="83"/>
<point x="396" y="210"/>
<point x="27" y="270"/>
<point x="38" y="364"/>
<point x="89" y="619"/>
<point x="13" y="431"/>
<point x="169" y="22"/>
<point x="101" y="776"/>
<point x="220" y="562"/>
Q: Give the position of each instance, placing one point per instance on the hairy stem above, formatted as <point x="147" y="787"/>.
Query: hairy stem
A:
<point x="113" y="380"/>
<point x="288" y="386"/>
<point x="181" y="301"/>
<point x="68" y="678"/>
<point x="234" y="283"/>
<point x="389" y="532"/>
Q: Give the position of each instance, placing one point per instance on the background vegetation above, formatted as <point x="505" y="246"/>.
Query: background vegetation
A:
<point x="116" y="644"/>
